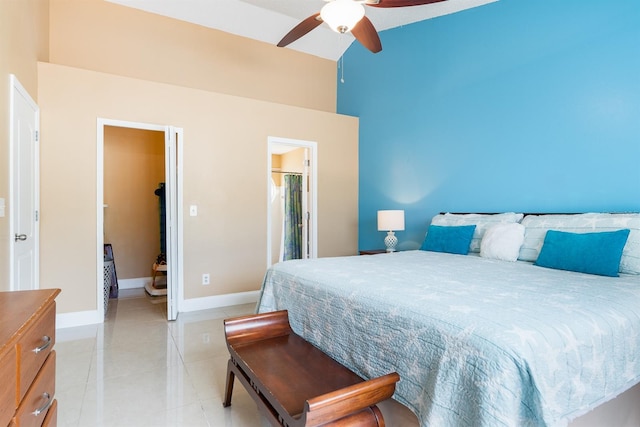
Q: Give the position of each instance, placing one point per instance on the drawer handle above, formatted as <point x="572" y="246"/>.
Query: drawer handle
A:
<point x="44" y="407"/>
<point x="47" y="343"/>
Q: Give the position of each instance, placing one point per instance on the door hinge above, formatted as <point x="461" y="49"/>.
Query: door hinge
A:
<point x="37" y="136"/>
<point x="37" y="216"/>
<point x="307" y="163"/>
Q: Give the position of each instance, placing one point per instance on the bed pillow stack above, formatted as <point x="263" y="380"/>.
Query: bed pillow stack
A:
<point x="592" y="253"/>
<point x="538" y="226"/>
<point x="481" y="221"/>
<point x="450" y="239"/>
<point x="594" y="243"/>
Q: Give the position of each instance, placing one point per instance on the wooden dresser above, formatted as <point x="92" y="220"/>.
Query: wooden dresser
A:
<point x="27" y="359"/>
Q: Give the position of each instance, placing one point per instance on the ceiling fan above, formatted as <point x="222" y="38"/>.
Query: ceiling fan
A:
<point x="348" y="15"/>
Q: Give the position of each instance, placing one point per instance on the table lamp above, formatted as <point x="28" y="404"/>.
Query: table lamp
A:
<point x="390" y="221"/>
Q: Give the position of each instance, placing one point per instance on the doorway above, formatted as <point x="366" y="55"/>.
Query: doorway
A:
<point x="134" y="228"/>
<point x="24" y="194"/>
<point x="156" y="217"/>
<point x="291" y="200"/>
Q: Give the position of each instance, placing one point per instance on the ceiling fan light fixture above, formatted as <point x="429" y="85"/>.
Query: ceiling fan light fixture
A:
<point x="342" y="15"/>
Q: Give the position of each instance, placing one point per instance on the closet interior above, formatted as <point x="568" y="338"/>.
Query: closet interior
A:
<point x="134" y="176"/>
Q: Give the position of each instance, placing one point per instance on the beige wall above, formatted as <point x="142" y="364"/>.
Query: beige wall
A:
<point x="276" y="164"/>
<point x="293" y="161"/>
<point x="101" y="36"/>
<point x="133" y="168"/>
<point x="180" y="74"/>
<point x="225" y="156"/>
<point x="24" y="28"/>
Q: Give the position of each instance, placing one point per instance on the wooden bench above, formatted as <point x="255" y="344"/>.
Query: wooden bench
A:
<point x="293" y="382"/>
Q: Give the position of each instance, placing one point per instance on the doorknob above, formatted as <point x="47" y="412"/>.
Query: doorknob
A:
<point x="21" y="237"/>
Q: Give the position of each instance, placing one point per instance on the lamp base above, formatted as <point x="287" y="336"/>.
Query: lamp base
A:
<point x="391" y="241"/>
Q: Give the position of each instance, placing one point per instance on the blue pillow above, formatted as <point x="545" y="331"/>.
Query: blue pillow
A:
<point x="592" y="253"/>
<point x="450" y="239"/>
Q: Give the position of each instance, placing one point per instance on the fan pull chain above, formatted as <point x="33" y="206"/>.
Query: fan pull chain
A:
<point x="342" y="69"/>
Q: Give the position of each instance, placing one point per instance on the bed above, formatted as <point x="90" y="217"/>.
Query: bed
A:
<point x="478" y="339"/>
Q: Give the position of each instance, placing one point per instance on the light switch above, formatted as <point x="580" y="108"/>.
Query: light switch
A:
<point x="1" y="207"/>
<point x="193" y="210"/>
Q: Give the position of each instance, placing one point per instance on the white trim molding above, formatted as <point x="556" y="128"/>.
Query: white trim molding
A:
<point x="216" y="301"/>
<point x="91" y="317"/>
<point x="78" y="318"/>
<point x="134" y="283"/>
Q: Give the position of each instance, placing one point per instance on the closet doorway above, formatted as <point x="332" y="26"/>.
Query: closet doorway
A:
<point x="291" y="200"/>
<point x="139" y="203"/>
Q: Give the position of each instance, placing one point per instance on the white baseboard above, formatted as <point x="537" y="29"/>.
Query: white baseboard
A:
<point x="216" y="301"/>
<point x="77" y="318"/>
<point x="90" y="317"/>
<point x="135" y="283"/>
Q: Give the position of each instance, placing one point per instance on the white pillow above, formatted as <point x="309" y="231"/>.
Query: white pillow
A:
<point x="481" y="221"/>
<point x="502" y="241"/>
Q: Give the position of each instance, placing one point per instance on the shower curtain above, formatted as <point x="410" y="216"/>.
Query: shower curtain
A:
<point x="292" y="217"/>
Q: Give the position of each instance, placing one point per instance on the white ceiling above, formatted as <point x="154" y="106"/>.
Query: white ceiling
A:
<point x="270" y="20"/>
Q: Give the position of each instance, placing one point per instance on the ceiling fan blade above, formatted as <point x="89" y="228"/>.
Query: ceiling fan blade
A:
<point x="301" y="29"/>
<point x="366" y="34"/>
<point x="399" y="3"/>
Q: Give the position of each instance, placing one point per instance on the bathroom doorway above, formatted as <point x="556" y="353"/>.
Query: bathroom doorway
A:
<point x="139" y="216"/>
<point x="291" y="200"/>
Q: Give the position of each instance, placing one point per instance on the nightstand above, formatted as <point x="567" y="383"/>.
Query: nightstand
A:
<point x="373" y="252"/>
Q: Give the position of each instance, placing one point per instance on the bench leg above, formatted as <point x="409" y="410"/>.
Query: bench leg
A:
<point x="229" y="389"/>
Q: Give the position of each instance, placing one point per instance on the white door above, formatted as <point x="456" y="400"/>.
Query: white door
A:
<point x="24" y="189"/>
<point x="306" y="206"/>
<point x="173" y="142"/>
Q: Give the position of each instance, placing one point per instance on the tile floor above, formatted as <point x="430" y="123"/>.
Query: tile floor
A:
<point x="139" y="370"/>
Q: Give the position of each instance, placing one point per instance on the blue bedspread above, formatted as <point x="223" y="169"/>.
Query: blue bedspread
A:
<point x="476" y="342"/>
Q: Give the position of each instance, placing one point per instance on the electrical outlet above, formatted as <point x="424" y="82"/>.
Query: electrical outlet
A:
<point x="205" y="279"/>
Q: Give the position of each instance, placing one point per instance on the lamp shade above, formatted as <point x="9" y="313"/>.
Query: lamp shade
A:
<point x="342" y="15"/>
<point x="390" y="220"/>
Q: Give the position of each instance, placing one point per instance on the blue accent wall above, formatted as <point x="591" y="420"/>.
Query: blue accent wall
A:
<point x="519" y="105"/>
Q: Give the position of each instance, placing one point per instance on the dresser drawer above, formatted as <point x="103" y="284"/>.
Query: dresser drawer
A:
<point x="9" y="385"/>
<point x="34" y="347"/>
<point x="39" y="398"/>
<point x="51" y="420"/>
